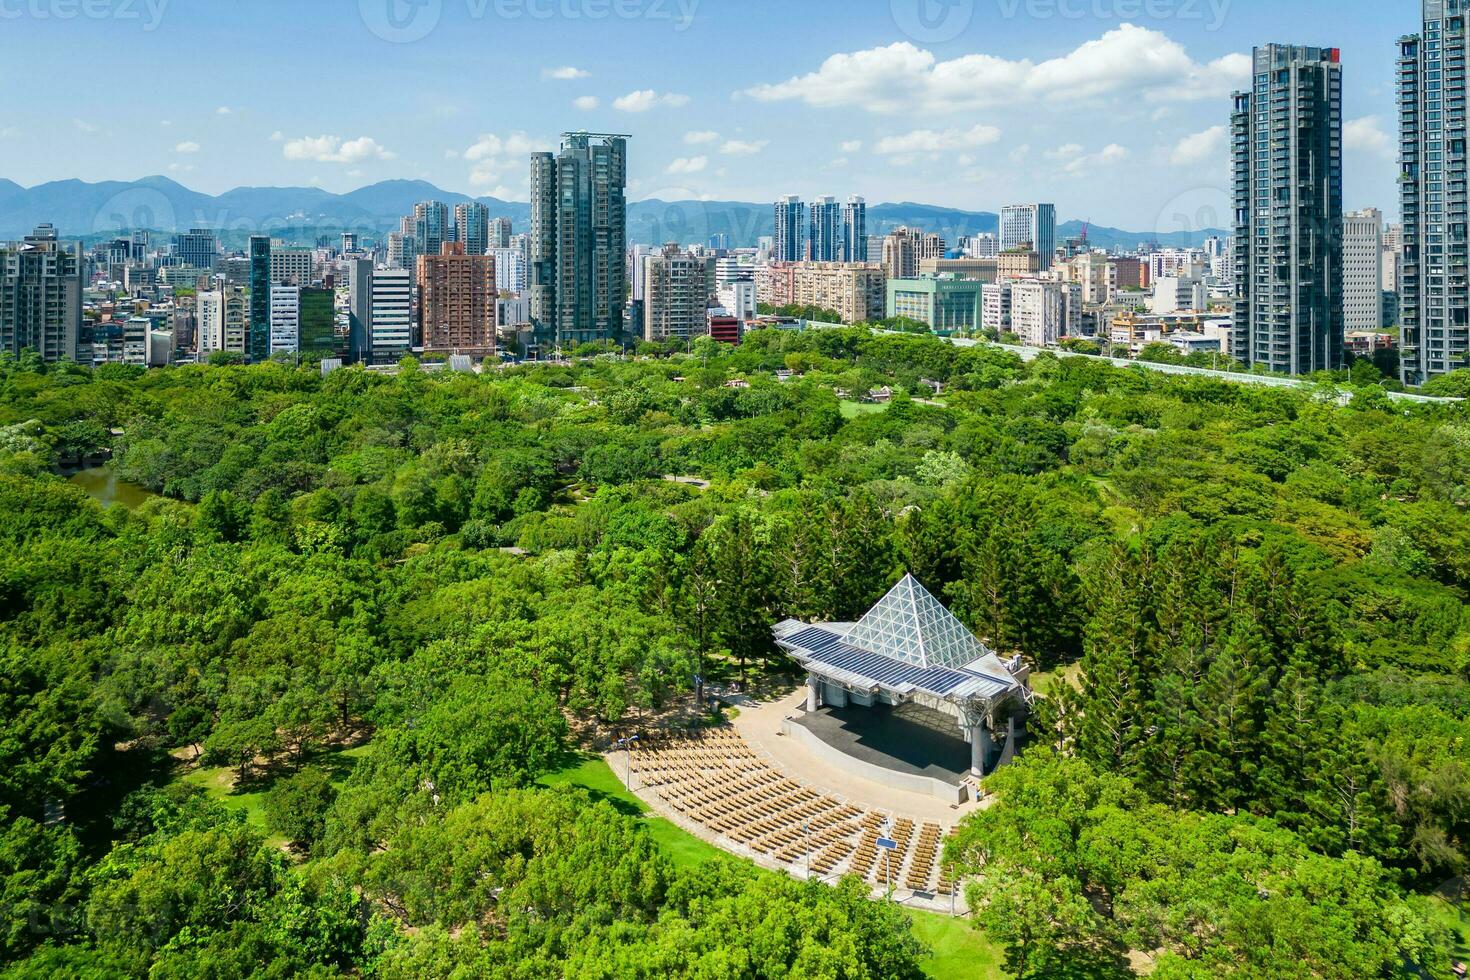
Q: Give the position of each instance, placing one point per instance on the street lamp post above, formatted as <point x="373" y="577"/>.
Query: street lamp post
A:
<point x="806" y="829"/>
<point x="626" y="744"/>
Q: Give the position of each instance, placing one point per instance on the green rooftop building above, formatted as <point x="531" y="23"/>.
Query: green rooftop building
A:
<point x="948" y="304"/>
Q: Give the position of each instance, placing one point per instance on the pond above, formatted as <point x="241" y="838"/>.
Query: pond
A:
<point x="106" y="488"/>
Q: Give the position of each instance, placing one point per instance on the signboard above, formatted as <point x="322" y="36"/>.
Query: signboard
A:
<point x="887" y="845"/>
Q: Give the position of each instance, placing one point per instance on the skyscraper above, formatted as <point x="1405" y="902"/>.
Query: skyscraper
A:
<point x="579" y="234"/>
<point x="431" y="226"/>
<point x="41" y="295"/>
<point x="260" y="298"/>
<point x="1032" y="227"/>
<point x="472" y="227"/>
<point x="1434" y="279"/>
<point x="826" y="230"/>
<point x="197" y="249"/>
<point x="790" y="230"/>
<point x="500" y="232"/>
<point x="1362" y="270"/>
<point x="391" y="335"/>
<point x="675" y="295"/>
<point x="1287" y="144"/>
<point x="855" y="230"/>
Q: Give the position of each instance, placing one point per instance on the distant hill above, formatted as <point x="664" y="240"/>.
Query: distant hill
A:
<point x="302" y="214"/>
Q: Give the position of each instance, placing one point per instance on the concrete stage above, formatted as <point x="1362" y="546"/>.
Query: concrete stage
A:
<point x="909" y="740"/>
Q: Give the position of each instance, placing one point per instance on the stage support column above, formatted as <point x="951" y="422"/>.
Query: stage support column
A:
<point x="838" y="698"/>
<point x="813" y="692"/>
<point x="979" y="747"/>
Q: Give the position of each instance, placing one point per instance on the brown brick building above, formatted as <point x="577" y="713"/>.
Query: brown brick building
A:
<point x="457" y="302"/>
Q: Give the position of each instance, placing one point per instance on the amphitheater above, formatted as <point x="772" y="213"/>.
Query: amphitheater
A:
<point x="864" y="771"/>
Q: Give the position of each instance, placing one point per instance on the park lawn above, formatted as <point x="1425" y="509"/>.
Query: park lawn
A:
<point x="219" y="785"/>
<point x="851" y="410"/>
<point x="1454" y="916"/>
<point x="958" y="952"/>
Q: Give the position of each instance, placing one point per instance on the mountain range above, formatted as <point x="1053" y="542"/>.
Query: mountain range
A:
<point x="93" y="211"/>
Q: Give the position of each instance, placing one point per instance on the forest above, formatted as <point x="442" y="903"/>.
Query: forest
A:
<point x="393" y="604"/>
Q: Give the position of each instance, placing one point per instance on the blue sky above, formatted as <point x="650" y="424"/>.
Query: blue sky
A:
<point x="1114" y="109"/>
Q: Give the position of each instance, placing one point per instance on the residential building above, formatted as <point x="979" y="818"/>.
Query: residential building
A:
<point x="1093" y="272"/>
<point x="1040" y="311"/>
<point x="431" y="226"/>
<point x="578" y="279"/>
<point x="403" y="252"/>
<point x="855" y="291"/>
<point x="472" y="227"/>
<point x="41" y="295"/>
<point x="826" y="231"/>
<point x="1434" y="287"/>
<point x="1017" y="264"/>
<point x="500" y="232"/>
<point x="1031" y="227"/>
<point x="135" y="340"/>
<point x="774" y="284"/>
<point x="1129" y="273"/>
<point x="675" y="295"/>
<point x="1362" y="270"/>
<point x="982" y="246"/>
<point x="995" y="301"/>
<point x="1287" y="149"/>
<point x="790" y="244"/>
<point x="739" y="299"/>
<point x="901" y="254"/>
<point x="510" y="270"/>
<point x="948" y="304"/>
<point x="855" y="230"/>
<point x="260" y="298"/>
<point x="1175" y="294"/>
<point x="457" y="302"/>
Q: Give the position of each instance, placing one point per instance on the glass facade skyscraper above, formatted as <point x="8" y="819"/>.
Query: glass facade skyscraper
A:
<point x="1286" y="137"/>
<point x="260" y="298"/>
<point x="826" y="234"/>
<point x="1434" y="283"/>
<point x="855" y="230"/>
<point x="790" y="230"/>
<point x="1032" y="227"/>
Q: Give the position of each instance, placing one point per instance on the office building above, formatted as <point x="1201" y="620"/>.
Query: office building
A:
<point x="316" y="324"/>
<point x="284" y="312"/>
<point x="292" y="266"/>
<point x="1017" y="264"/>
<point x="578" y="279"/>
<point x="1032" y="227"/>
<point x="1362" y="270"/>
<point x="198" y="249"/>
<point x="855" y="230"/>
<point x="1434" y="280"/>
<point x="431" y="226"/>
<point x="403" y="252"/>
<point x="359" y="309"/>
<point x="41" y="295"/>
<point x="983" y="270"/>
<point x="739" y="299"/>
<point x="948" y="304"/>
<point x="1287" y="146"/>
<point x="457" y="302"/>
<point x="510" y="270"/>
<point x="1176" y="294"/>
<point x="790" y="244"/>
<point x="349" y="242"/>
<point x="260" y="298"/>
<point x="390" y="334"/>
<point x="500" y="232"/>
<point x="826" y="230"/>
<point x="982" y="246"/>
<point x="675" y="295"/>
<point x="472" y="227"/>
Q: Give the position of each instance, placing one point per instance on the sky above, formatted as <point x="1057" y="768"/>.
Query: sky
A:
<point x="1116" y="110"/>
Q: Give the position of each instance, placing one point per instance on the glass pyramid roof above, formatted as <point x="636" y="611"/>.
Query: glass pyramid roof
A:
<point x="911" y="626"/>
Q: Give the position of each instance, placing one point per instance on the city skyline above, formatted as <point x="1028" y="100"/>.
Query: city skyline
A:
<point x="1119" y="119"/>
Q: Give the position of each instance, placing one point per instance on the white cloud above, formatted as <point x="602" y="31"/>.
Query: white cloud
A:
<point x="224" y="110"/>
<point x="1078" y="163"/>
<point x="9" y="133"/>
<point x="517" y="144"/>
<point x="701" y="136"/>
<point x="1208" y="146"/>
<point x="188" y="146"/>
<point x="278" y="137"/>
<point x="646" y="99"/>
<point x="903" y="77"/>
<point x="85" y="126"/>
<point x="852" y="146"/>
<point x="586" y="103"/>
<point x="180" y="168"/>
<point x="688" y="165"/>
<point x="938" y="141"/>
<point x="333" y="149"/>
<point x="355" y="173"/>
<point x="1366" y="135"/>
<point x="743" y="148"/>
<point x="565" y="74"/>
<point x="1064" y="152"/>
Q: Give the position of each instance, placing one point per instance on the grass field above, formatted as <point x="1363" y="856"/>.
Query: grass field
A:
<point x="958" y="952"/>
<point x="1456" y="918"/>
<point x="851" y="410"/>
